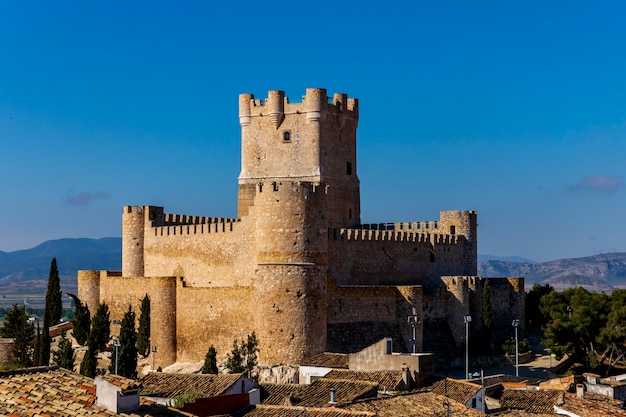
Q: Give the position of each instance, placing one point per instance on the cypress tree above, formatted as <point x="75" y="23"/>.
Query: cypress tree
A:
<point x="64" y="355"/>
<point x="54" y="304"/>
<point x="89" y="365"/>
<point x="143" y="334"/>
<point x="37" y="347"/>
<point x="51" y="316"/>
<point x="100" y="328"/>
<point x="210" y="362"/>
<point x="82" y="321"/>
<point x="127" y="360"/>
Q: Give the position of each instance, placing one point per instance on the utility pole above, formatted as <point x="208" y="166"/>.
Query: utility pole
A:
<point x="467" y="320"/>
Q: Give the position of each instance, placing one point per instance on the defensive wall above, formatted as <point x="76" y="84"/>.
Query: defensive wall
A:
<point x="296" y="265"/>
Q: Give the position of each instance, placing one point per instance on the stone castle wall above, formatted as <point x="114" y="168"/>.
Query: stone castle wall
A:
<point x="296" y="265"/>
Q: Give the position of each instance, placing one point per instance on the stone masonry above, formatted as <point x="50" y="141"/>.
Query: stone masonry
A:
<point x="296" y="265"/>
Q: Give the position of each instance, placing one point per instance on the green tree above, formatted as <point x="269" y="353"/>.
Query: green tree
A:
<point x="17" y="326"/>
<point x="210" y="362"/>
<point x="187" y="397"/>
<point x="535" y="319"/>
<point x="575" y="320"/>
<point x="100" y="328"/>
<point x="37" y="347"/>
<point x="127" y="360"/>
<point x="82" y="321"/>
<point x="64" y="356"/>
<point x="243" y="357"/>
<point x="143" y="334"/>
<point x="54" y="304"/>
<point x="89" y="365"/>
<point x="51" y="315"/>
<point x="612" y="337"/>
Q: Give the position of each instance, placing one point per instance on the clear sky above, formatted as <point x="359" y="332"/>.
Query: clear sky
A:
<point x="514" y="109"/>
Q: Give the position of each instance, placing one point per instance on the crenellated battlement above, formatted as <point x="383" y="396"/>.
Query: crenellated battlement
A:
<point x="395" y="235"/>
<point x="185" y="220"/>
<point x="407" y="226"/>
<point x="225" y="225"/>
<point x="315" y="104"/>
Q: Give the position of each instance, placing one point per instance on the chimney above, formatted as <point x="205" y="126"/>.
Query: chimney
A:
<point x="406" y="376"/>
<point x="580" y="390"/>
<point x="333" y="396"/>
<point x="117" y="394"/>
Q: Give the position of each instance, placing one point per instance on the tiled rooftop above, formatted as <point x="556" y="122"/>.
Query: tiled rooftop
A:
<point x="329" y="360"/>
<point x="281" y="411"/>
<point x="317" y="394"/>
<point x="386" y="380"/>
<point x="591" y="406"/>
<point x="532" y="401"/>
<point x="460" y="391"/>
<point x="57" y="392"/>
<point x="124" y="384"/>
<point x="414" y="404"/>
<point x="159" y="384"/>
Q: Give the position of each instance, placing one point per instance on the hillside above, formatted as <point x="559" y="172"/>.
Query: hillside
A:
<point x="596" y="273"/>
<point x="24" y="273"/>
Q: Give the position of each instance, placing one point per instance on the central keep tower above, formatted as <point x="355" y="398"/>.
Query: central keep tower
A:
<point x="298" y="179"/>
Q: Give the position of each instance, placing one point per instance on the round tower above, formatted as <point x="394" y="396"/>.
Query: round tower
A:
<point x="89" y="289"/>
<point x="133" y="224"/>
<point x="290" y="281"/>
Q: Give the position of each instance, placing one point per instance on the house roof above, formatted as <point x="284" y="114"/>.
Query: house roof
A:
<point x="386" y="380"/>
<point x="281" y="394"/>
<point x="160" y="384"/>
<point x="460" y="391"/>
<point x="55" y="391"/>
<point x="413" y="404"/>
<point x="317" y="394"/>
<point x="124" y="384"/>
<point x="281" y="411"/>
<point x="591" y="406"/>
<point x="329" y="360"/>
<point x="531" y="401"/>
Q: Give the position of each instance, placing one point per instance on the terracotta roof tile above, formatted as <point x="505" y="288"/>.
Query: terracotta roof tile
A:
<point x="414" y="404"/>
<point x="591" y="406"/>
<point x="317" y="394"/>
<point x="123" y="383"/>
<point x="329" y="360"/>
<point x="171" y="385"/>
<point x="386" y="380"/>
<point x="459" y="391"/>
<point x="282" y="411"/>
<point x="531" y="401"/>
<point x="56" y="392"/>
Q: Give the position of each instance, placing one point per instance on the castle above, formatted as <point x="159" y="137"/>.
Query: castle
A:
<point x="296" y="265"/>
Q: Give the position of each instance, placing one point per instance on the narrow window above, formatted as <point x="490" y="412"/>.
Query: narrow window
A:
<point x="287" y="136"/>
<point x="349" y="168"/>
<point x="452" y="230"/>
<point x="389" y="346"/>
<point x="275" y="186"/>
<point x="350" y="213"/>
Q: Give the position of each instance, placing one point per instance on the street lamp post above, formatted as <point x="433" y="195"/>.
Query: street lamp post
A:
<point x="154" y="351"/>
<point x="413" y="320"/>
<point x="116" y="341"/>
<point x="467" y="320"/>
<point x="516" y="325"/>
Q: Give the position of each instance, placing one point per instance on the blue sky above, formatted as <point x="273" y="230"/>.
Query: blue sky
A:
<point x="514" y="109"/>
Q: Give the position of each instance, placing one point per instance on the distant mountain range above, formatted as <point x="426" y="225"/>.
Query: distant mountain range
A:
<point x="597" y="273"/>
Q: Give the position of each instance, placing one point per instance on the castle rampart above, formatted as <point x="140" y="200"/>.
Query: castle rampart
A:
<point x="296" y="266"/>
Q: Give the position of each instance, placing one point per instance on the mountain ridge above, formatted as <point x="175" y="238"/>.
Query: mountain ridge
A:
<point x="603" y="272"/>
